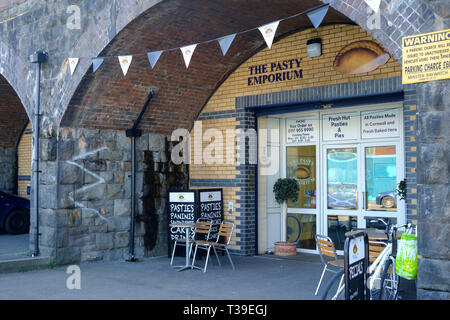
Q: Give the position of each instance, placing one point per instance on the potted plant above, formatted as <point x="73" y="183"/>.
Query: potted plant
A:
<point x="285" y="189"/>
<point x="401" y="190"/>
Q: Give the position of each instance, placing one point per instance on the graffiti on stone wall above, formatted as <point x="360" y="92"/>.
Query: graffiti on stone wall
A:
<point x="98" y="180"/>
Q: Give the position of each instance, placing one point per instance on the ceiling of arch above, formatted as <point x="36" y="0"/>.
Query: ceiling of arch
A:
<point x="108" y="100"/>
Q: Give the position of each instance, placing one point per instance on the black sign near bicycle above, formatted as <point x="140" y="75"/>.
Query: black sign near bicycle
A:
<point x="356" y="260"/>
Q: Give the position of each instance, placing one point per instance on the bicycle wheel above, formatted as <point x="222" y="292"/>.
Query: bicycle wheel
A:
<point x="389" y="282"/>
<point x="335" y="289"/>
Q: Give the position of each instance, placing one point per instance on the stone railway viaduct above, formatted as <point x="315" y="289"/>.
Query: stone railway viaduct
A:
<point x="84" y="116"/>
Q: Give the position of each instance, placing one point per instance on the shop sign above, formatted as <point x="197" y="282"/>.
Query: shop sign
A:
<point x="273" y="72"/>
<point x="340" y="126"/>
<point x="380" y="124"/>
<point x="356" y="257"/>
<point x="426" y="57"/>
<point x="302" y="130"/>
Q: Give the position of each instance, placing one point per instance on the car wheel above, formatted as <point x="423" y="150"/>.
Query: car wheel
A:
<point x="388" y="202"/>
<point x="18" y="222"/>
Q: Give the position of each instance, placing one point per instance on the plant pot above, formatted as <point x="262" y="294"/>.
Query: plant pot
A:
<point x="284" y="248"/>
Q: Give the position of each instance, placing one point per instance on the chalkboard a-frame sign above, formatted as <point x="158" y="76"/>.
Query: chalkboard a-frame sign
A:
<point x="190" y="205"/>
<point x="182" y="208"/>
<point x="356" y="260"/>
<point x="210" y="206"/>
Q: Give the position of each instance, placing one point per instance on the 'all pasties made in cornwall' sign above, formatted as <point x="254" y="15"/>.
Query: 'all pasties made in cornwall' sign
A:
<point x="273" y="72"/>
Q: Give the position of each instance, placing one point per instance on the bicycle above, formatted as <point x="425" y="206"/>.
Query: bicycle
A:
<point x="380" y="288"/>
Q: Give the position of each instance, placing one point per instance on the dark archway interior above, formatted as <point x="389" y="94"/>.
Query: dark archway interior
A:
<point x="108" y="100"/>
<point x="13" y="117"/>
<point x="13" y="120"/>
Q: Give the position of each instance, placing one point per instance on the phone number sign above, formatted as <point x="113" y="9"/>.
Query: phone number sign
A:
<point x="302" y="130"/>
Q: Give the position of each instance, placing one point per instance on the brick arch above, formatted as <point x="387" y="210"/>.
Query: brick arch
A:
<point x="13" y="117"/>
<point x="397" y="18"/>
<point x="108" y="100"/>
<point x="13" y="72"/>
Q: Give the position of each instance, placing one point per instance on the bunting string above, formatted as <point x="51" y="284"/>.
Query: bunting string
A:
<point x="268" y="31"/>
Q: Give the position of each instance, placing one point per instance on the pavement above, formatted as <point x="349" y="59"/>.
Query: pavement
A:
<point x="265" y="277"/>
<point x="255" y="278"/>
<point x="14" y="246"/>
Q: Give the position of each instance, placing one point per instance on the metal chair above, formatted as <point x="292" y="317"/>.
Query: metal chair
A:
<point x="221" y="243"/>
<point x="202" y="229"/>
<point x="327" y="249"/>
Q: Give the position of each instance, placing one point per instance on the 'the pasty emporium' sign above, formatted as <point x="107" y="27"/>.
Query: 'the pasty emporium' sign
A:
<point x="277" y="71"/>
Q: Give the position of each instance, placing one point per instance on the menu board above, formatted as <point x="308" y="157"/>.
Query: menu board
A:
<point x="182" y="209"/>
<point x="211" y="207"/>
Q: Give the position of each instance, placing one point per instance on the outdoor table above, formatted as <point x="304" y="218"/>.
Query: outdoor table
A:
<point x="187" y="227"/>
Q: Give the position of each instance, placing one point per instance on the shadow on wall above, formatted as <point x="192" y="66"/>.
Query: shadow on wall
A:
<point x="161" y="176"/>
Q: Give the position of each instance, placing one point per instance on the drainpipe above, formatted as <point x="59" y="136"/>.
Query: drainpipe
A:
<point x="134" y="133"/>
<point x="38" y="58"/>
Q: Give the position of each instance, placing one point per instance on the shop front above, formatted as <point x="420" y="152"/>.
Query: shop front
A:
<point x="341" y="124"/>
<point x="347" y="162"/>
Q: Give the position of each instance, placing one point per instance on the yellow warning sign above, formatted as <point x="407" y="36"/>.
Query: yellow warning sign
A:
<point x="426" y="57"/>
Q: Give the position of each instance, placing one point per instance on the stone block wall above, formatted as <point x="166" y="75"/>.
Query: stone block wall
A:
<point x="433" y="181"/>
<point x="85" y="193"/>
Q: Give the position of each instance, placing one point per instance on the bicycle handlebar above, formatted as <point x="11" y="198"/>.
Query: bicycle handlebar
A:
<point x="390" y="228"/>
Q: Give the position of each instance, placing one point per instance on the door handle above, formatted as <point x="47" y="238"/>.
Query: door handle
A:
<point x="364" y="200"/>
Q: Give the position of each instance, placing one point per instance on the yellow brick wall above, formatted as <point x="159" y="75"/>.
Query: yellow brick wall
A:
<point x="317" y="72"/>
<point x="24" y="154"/>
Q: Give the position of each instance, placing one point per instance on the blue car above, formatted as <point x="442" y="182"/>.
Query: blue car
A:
<point x="14" y="214"/>
<point x="387" y="199"/>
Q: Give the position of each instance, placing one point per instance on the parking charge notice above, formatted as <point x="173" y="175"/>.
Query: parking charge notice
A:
<point x="426" y="57"/>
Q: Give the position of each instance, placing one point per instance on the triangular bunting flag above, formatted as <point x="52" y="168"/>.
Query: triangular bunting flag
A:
<point x="225" y="42"/>
<point x="374" y="4"/>
<point x="316" y="15"/>
<point x="268" y="31"/>
<point x="153" y="57"/>
<point x="96" y="63"/>
<point x="73" y="62"/>
<point x="125" y="62"/>
<point x="188" y="51"/>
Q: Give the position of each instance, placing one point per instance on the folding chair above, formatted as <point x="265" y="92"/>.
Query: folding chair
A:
<point x="221" y="243"/>
<point x="375" y="248"/>
<point x="327" y="249"/>
<point x="201" y="232"/>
